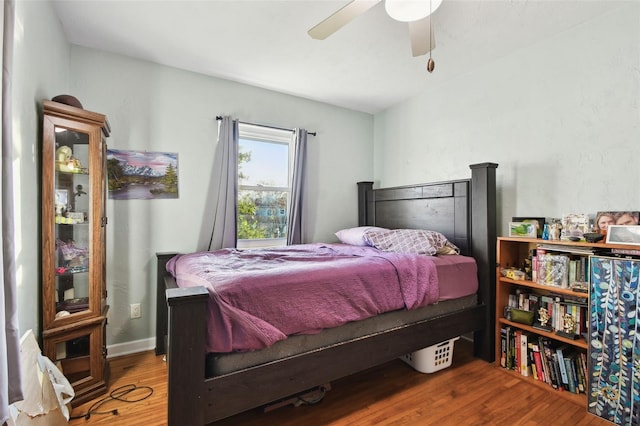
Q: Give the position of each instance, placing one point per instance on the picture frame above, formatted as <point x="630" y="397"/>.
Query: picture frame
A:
<point x="540" y="221"/>
<point x="605" y="218"/>
<point x="61" y="198"/>
<point x="142" y="175"/>
<point x="523" y="229"/>
<point x="574" y="226"/>
<point x="623" y="234"/>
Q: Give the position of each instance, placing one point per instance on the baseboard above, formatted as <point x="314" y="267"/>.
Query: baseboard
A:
<point x="127" y="348"/>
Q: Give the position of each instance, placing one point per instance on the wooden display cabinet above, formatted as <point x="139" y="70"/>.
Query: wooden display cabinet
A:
<point x="74" y="311"/>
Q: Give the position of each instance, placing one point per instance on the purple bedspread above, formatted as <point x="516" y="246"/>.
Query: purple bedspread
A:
<point x="258" y="297"/>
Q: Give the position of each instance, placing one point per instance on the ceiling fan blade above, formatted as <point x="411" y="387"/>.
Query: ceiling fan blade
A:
<point x="341" y="18"/>
<point x="422" y="40"/>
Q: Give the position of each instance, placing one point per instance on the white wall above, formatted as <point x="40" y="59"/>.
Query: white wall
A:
<point x="561" y="118"/>
<point x="40" y="70"/>
<point x="157" y="108"/>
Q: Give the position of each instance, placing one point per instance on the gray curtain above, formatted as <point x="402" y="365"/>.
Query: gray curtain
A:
<point x="225" y="175"/>
<point x="10" y="385"/>
<point x="294" y="233"/>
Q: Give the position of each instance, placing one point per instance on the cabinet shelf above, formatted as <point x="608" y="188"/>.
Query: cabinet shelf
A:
<point x="546" y="288"/>
<point x="70" y="271"/>
<point x="83" y="171"/>
<point x="579" y="342"/>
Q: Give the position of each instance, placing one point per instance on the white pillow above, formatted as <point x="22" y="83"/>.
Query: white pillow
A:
<point x="355" y="236"/>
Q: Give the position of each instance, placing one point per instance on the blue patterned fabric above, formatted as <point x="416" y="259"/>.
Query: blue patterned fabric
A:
<point x="614" y="342"/>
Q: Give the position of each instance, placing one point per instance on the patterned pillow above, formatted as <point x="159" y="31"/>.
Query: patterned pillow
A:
<point x="417" y="241"/>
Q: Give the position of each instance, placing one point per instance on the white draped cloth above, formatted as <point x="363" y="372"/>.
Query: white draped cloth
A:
<point x="10" y="385"/>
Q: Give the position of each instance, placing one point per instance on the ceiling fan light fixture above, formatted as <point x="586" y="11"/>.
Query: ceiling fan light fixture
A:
<point x="410" y="10"/>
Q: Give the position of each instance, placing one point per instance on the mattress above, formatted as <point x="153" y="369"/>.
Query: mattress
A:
<point x="458" y="285"/>
<point x="260" y="297"/>
<point x="457" y="276"/>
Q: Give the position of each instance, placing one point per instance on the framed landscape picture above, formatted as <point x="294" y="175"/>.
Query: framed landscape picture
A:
<point x="142" y="174"/>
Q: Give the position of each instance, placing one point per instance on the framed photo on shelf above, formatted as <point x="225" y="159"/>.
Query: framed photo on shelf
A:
<point x="523" y="229"/>
<point x="623" y="234"/>
<point x="606" y="218"/>
<point x="539" y="221"/>
<point x="62" y="197"/>
<point x="574" y="226"/>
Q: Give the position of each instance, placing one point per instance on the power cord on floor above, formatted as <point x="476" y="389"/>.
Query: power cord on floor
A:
<point x="117" y="394"/>
<point x="319" y="395"/>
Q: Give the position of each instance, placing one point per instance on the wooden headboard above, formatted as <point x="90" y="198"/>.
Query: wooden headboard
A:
<point x="463" y="210"/>
<point x="442" y="207"/>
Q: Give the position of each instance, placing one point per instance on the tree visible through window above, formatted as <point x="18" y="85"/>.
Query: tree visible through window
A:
<point x="264" y="185"/>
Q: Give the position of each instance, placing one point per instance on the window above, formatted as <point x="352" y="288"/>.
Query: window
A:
<point x="264" y="185"/>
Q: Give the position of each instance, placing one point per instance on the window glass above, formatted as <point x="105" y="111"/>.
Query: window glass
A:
<point x="264" y="176"/>
<point x="268" y="164"/>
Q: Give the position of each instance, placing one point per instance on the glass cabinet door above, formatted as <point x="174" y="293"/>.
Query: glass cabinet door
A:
<point x="72" y="204"/>
<point x="72" y="256"/>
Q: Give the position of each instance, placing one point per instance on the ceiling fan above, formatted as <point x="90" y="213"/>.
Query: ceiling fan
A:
<point x="416" y="12"/>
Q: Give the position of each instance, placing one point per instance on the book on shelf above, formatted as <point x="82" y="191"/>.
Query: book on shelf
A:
<point x="634" y="253"/>
<point x="563" y="369"/>
<point x="503" y="347"/>
<point x="538" y="362"/>
<point x="511" y="349"/>
<point x="547" y="364"/>
<point x="533" y="368"/>
<point x="525" y="367"/>
<point x="571" y="373"/>
<point x="582" y="362"/>
<point x="568" y="249"/>
<point x="517" y="348"/>
<point x="581" y="382"/>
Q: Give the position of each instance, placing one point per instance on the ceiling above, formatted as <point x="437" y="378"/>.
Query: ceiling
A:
<point x="365" y="66"/>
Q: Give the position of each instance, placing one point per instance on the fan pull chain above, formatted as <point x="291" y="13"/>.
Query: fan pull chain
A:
<point x="431" y="65"/>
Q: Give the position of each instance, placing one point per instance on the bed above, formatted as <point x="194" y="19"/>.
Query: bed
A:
<point x="203" y="389"/>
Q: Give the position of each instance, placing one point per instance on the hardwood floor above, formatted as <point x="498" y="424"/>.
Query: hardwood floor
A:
<point x="470" y="392"/>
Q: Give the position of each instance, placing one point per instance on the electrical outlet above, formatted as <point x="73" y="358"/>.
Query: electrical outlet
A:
<point x="135" y="311"/>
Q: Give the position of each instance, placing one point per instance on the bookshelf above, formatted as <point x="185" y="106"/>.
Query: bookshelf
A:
<point x="529" y="293"/>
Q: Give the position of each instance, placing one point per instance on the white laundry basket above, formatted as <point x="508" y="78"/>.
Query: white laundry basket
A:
<point x="433" y="358"/>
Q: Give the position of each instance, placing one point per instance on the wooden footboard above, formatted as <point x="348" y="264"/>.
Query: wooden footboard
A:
<point x="464" y="210"/>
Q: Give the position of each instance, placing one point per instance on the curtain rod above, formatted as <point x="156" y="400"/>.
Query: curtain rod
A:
<point x="219" y="117"/>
